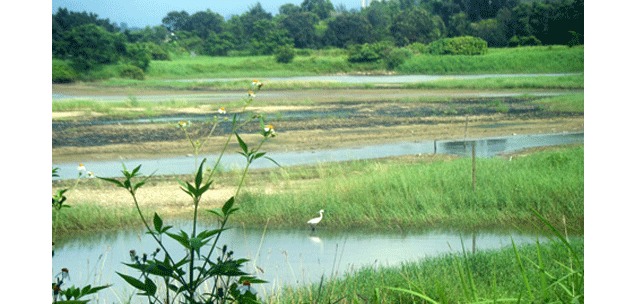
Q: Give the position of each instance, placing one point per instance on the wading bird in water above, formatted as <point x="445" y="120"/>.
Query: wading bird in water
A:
<point x="315" y="221"/>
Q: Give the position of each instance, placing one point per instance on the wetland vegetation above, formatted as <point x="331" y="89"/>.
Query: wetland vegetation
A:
<point x="530" y="190"/>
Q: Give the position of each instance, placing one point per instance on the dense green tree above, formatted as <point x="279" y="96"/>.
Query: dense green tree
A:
<point x="268" y="38"/>
<point x="242" y="27"/>
<point x="301" y="28"/>
<point x="490" y="31"/>
<point x="380" y="15"/>
<point x="176" y="21"/>
<point x="458" y="25"/>
<point x="322" y="8"/>
<point x="416" y="25"/>
<point x="288" y="9"/>
<point x="204" y="23"/>
<point x="217" y="44"/>
<point x="347" y="29"/>
<point x="64" y="21"/>
<point x="90" y="45"/>
<point x="156" y="34"/>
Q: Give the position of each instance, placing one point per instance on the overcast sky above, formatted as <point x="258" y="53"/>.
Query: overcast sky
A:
<point x="141" y="13"/>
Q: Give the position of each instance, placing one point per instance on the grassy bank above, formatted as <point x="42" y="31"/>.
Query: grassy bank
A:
<point x="373" y="195"/>
<point x="540" y="59"/>
<point x="539" y="273"/>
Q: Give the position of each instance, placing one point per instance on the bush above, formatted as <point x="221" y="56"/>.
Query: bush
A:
<point x="131" y="72"/>
<point x="284" y="54"/>
<point x="464" y="45"/>
<point x="63" y="72"/>
<point x="369" y="52"/>
<point x="396" y="57"/>
<point x="524" y="41"/>
<point x="418" y="48"/>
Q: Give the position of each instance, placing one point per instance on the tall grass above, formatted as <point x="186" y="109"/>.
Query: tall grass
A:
<point x="526" y="274"/>
<point x="404" y="196"/>
<point x="572" y="103"/>
<point x="547" y="59"/>
<point x="568" y="82"/>
<point x="539" y="59"/>
<point x="93" y="217"/>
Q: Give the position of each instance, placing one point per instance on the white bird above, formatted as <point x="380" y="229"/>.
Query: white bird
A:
<point x="315" y="221"/>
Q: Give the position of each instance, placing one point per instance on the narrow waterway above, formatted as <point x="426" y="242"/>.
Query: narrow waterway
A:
<point x="484" y="147"/>
<point x="281" y="257"/>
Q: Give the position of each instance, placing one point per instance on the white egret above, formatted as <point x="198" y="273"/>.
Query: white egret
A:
<point x="315" y="221"/>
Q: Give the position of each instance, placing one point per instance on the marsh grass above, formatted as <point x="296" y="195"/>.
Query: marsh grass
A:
<point x="375" y="195"/>
<point x="539" y="59"/>
<point x="530" y="273"/>
<point x="568" y="82"/>
<point x="93" y="217"/>
<point x="572" y="103"/>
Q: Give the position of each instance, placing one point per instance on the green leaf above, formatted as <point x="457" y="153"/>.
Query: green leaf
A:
<point x="199" y="174"/>
<point x="228" y="206"/>
<point x="182" y="238"/>
<point x="414" y="293"/>
<point x="242" y="144"/>
<point x="133" y="281"/>
<point x="273" y="161"/>
<point x="112" y="180"/>
<point x="158" y="223"/>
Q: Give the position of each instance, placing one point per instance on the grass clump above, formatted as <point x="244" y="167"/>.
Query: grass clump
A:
<point x="404" y="196"/>
<point x="540" y="273"/>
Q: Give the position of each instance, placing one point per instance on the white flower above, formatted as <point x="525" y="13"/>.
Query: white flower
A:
<point x="246" y="287"/>
<point x="81" y="168"/>
<point x="222" y="110"/>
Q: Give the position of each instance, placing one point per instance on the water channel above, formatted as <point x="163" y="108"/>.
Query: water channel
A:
<point x="485" y="147"/>
<point x="281" y="257"/>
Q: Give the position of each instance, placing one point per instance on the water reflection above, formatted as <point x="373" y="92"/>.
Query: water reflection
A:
<point x="282" y="257"/>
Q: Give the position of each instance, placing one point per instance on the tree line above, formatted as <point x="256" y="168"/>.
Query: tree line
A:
<point x="87" y="40"/>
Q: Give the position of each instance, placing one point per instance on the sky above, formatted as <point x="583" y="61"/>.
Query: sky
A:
<point x="142" y="13"/>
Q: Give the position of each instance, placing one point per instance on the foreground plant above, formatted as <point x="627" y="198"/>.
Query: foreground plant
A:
<point x="207" y="272"/>
<point x="61" y="293"/>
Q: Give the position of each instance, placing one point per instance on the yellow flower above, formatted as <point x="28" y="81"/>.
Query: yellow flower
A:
<point x="251" y="94"/>
<point x="81" y="168"/>
<point x="184" y="124"/>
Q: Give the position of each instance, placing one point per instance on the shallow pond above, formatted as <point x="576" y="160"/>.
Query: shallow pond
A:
<point x="485" y="147"/>
<point x="281" y="257"/>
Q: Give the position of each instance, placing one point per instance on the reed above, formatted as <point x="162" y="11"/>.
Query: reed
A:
<point x="374" y="195"/>
<point x="481" y="277"/>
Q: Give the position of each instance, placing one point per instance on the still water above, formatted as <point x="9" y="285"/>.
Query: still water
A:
<point x="281" y="257"/>
<point x="485" y="147"/>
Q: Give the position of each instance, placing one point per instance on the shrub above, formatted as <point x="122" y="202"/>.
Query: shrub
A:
<point x="284" y="54"/>
<point x="396" y="57"/>
<point x="524" y="41"/>
<point x="369" y="52"/>
<point x="63" y="72"/>
<point x="464" y="45"/>
<point x="418" y="48"/>
<point x="131" y="72"/>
